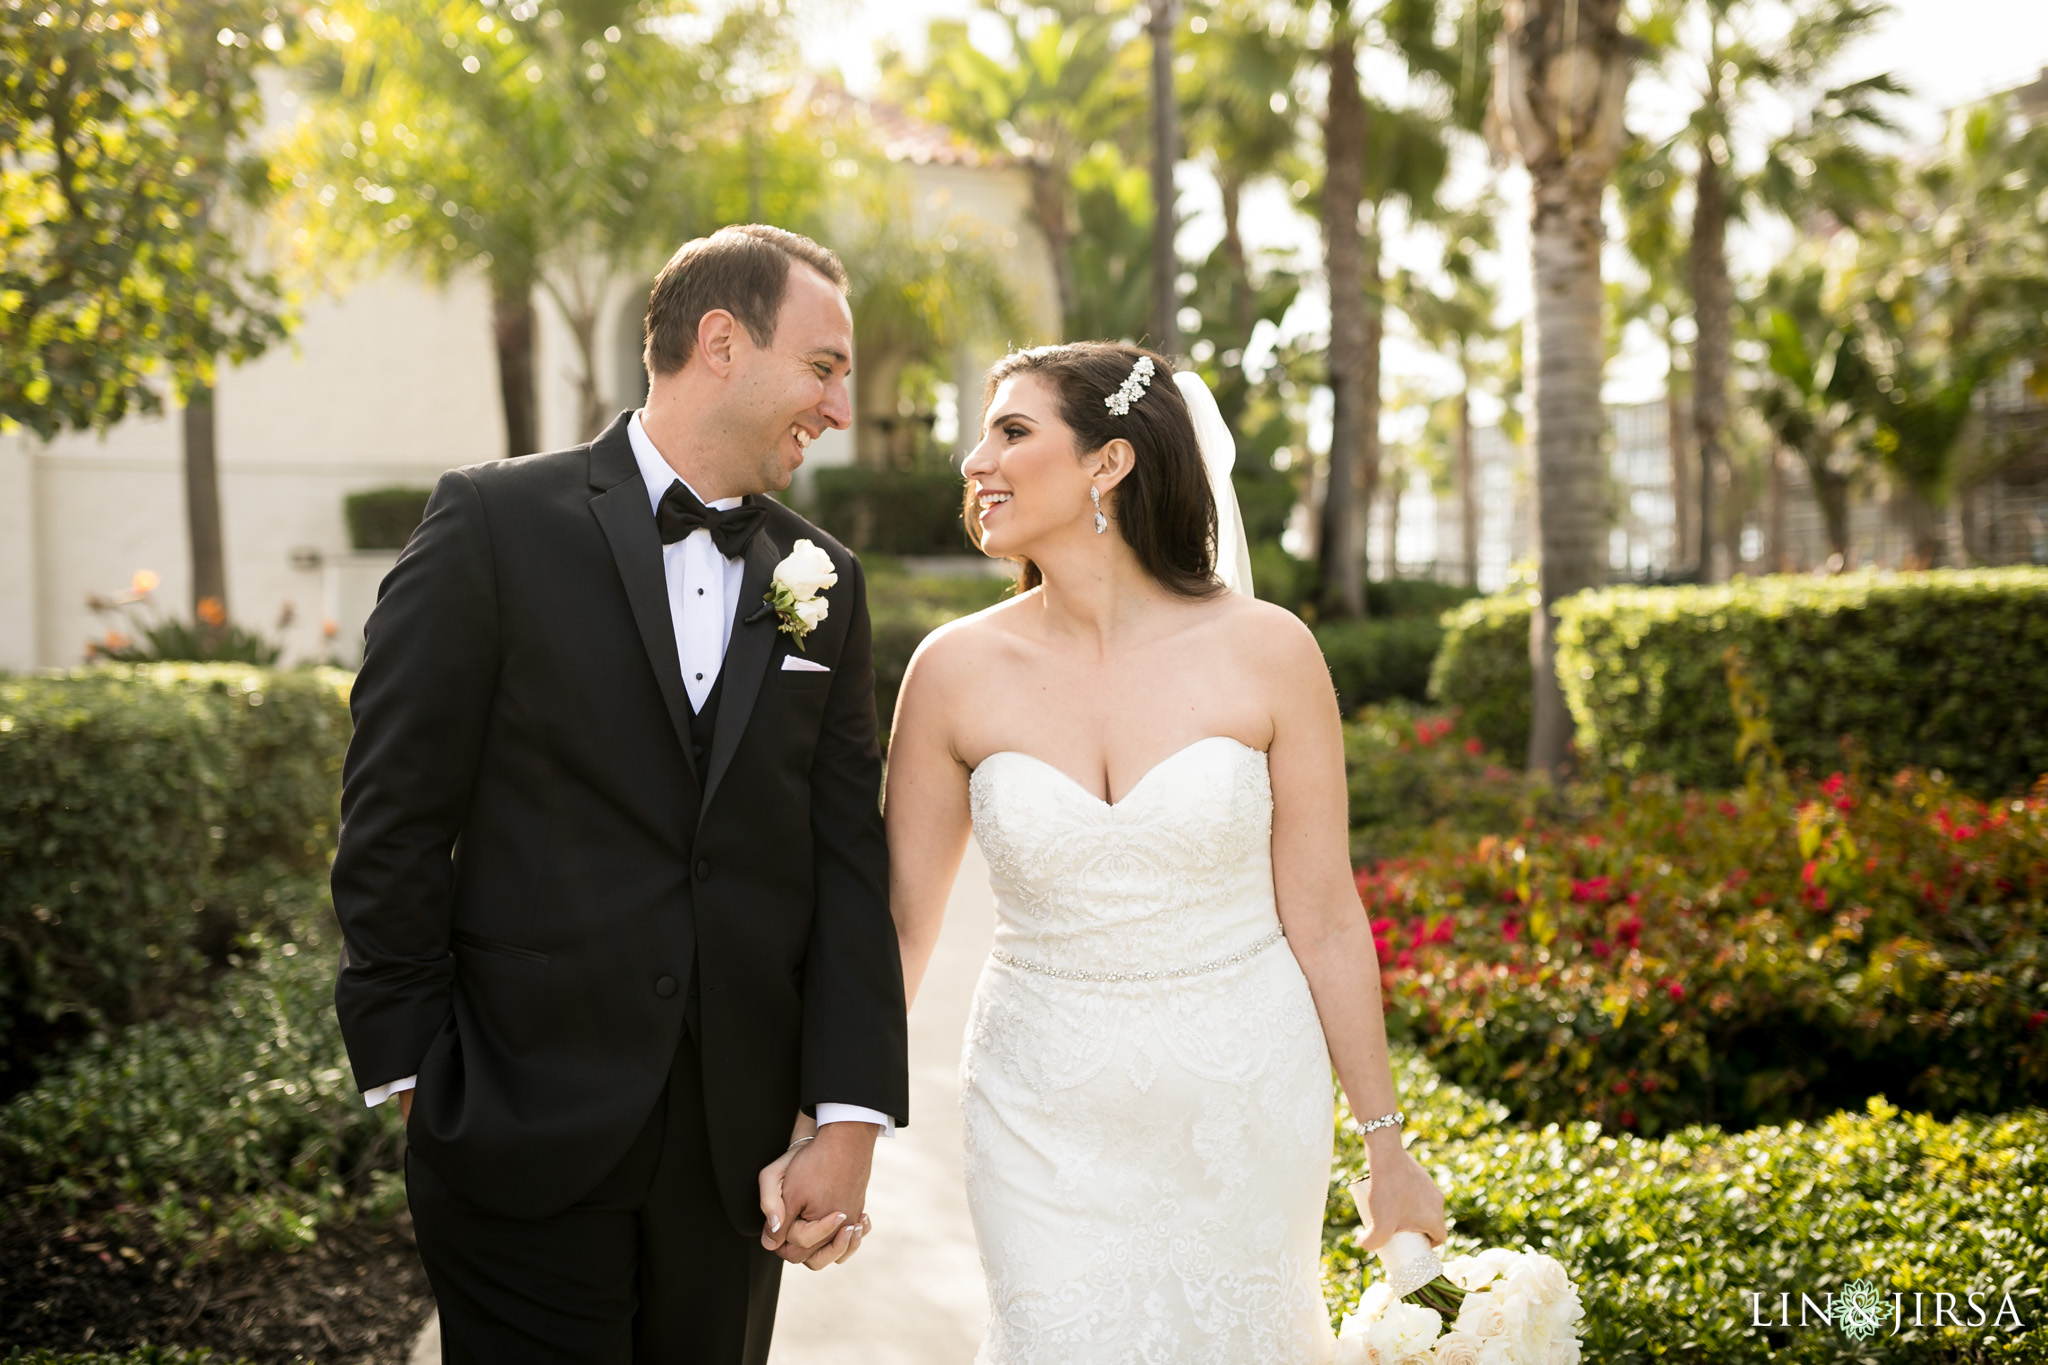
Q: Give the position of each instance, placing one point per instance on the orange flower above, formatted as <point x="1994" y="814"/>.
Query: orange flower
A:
<point x="144" y="583"/>
<point x="330" y="628"/>
<point x="116" y="640"/>
<point x="212" y="611"/>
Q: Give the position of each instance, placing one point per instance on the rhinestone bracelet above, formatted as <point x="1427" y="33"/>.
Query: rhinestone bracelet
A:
<point x="1383" y="1121"/>
<point x="1170" y="974"/>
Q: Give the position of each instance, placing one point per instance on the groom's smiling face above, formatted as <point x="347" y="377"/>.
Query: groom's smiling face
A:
<point x="786" y="393"/>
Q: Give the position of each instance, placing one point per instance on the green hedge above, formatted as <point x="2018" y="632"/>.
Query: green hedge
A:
<point x="148" y="1355"/>
<point x="1483" y="671"/>
<point x="384" y="518"/>
<point x="1665" y="1237"/>
<point x="138" y="804"/>
<point x="888" y="511"/>
<point x="1938" y="670"/>
<point x="235" y="1124"/>
<point x="1379" y="660"/>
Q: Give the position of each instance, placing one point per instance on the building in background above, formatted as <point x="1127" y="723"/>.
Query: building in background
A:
<point x="390" y="384"/>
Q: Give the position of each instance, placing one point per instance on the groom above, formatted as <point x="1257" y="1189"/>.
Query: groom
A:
<point x="611" y="877"/>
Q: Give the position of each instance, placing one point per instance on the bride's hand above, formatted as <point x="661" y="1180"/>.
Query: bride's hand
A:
<point x="773" y="1231"/>
<point x="827" y="1241"/>
<point x="1397" y="1195"/>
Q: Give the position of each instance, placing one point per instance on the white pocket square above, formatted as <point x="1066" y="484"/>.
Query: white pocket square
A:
<point x="792" y="664"/>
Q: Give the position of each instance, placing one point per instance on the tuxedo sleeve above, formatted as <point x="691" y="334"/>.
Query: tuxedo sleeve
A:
<point x="855" y="1049"/>
<point x="420" y="703"/>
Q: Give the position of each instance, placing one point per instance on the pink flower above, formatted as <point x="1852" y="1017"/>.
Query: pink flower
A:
<point x="1630" y="931"/>
<point x="1676" y="988"/>
<point x="1474" y="747"/>
<point x="1511" y="928"/>
<point x="1601" y="948"/>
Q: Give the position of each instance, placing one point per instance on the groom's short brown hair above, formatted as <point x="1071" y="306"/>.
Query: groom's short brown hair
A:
<point x="743" y="269"/>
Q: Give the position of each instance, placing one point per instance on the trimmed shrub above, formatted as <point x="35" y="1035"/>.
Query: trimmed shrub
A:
<point x="1778" y="953"/>
<point x="237" y="1125"/>
<point x="889" y="511"/>
<point x="1386" y="597"/>
<point x="1377" y="660"/>
<point x="1935" y="670"/>
<point x="907" y="607"/>
<point x="384" y="518"/>
<point x="1668" y="1239"/>
<point x="1483" y="670"/>
<point x="148" y="1355"/>
<point x="138" y="806"/>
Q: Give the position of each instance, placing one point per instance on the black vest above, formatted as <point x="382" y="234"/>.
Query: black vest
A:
<point x="703" y="724"/>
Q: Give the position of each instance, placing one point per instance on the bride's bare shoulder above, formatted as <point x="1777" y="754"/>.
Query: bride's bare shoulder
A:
<point x="1268" y="634"/>
<point x="971" y="642"/>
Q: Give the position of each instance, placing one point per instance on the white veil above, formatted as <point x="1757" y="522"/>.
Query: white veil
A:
<point x="1219" y="454"/>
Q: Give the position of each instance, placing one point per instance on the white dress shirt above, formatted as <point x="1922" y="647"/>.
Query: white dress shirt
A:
<point x="703" y="592"/>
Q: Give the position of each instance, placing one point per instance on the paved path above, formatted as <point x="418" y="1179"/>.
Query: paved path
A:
<point x="914" y="1295"/>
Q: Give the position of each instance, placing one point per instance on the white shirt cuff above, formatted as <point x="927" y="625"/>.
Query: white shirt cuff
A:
<point x="373" y="1098"/>
<point x="853" y="1113"/>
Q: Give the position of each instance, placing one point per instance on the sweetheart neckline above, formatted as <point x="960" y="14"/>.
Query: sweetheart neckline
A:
<point x="1129" y="792"/>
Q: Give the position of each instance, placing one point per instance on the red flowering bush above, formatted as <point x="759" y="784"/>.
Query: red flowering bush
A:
<point x="1665" y="957"/>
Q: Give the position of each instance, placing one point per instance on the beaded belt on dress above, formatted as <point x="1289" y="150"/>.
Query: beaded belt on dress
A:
<point x="1167" y="974"/>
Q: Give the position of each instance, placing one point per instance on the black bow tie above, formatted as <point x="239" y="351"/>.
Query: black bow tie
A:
<point x="680" y="512"/>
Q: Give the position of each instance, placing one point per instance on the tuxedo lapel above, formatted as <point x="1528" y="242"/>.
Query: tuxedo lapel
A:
<point x="623" y="511"/>
<point x="746" y="658"/>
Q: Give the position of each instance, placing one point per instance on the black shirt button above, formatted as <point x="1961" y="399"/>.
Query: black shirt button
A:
<point x="700" y="677"/>
<point x="664" y="986"/>
<point x="703" y="870"/>
<point x="700" y="592"/>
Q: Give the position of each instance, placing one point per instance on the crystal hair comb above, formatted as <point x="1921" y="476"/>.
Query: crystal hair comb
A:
<point x="1133" y="387"/>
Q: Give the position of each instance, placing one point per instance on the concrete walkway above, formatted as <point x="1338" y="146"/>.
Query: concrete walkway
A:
<point x="914" y="1294"/>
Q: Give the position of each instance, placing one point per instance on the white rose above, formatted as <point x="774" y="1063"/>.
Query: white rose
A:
<point x="1457" y="1348"/>
<point x="1414" y="1330"/>
<point x="1564" y="1315"/>
<point x="811" y="610"/>
<point x="1564" y="1352"/>
<point x="1499" y="1259"/>
<point x="1496" y="1351"/>
<point x="1469" y="1272"/>
<point x="1528" y="1326"/>
<point x="805" y="570"/>
<point x="1482" y="1315"/>
<point x="1374" y="1302"/>
<point x="1541" y="1277"/>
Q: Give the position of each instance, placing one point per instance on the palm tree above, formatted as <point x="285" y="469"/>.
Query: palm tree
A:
<point x="1164" y="19"/>
<point x="1657" y="298"/>
<point x="1459" y="320"/>
<point x="1807" y="396"/>
<point x="1561" y="75"/>
<point x="915" y="296"/>
<point x="1241" y="117"/>
<point x="1066" y="87"/>
<point x="1716" y="45"/>
<point x="1340" y="544"/>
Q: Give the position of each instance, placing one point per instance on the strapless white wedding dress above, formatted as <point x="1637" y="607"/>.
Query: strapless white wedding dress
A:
<point x="1147" y="1092"/>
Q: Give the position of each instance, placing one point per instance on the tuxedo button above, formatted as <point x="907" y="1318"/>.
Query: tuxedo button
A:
<point x="703" y="870"/>
<point x="664" y="986"/>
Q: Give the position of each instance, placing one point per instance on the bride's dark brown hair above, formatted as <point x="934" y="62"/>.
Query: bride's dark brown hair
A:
<point x="1163" y="508"/>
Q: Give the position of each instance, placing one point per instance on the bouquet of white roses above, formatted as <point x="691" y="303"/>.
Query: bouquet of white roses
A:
<point x="1496" y="1308"/>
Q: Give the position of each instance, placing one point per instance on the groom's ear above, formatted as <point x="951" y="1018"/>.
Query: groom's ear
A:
<point x="717" y="335"/>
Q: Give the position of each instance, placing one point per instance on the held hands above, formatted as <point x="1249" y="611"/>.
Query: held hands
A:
<point x="1397" y="1195"/>
<point x="814" y="1195"/>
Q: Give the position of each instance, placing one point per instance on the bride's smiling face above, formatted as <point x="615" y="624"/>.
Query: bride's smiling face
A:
<point x="1029" y="481"/>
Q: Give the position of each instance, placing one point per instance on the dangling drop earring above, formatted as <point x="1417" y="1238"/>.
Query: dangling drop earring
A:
<point x="1095" y="496"/>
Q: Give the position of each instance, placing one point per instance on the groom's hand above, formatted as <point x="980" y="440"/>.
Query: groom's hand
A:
<point x="824" y="1193"/>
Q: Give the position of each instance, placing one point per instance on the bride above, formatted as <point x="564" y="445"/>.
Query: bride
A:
<point x="1153" y="766"/>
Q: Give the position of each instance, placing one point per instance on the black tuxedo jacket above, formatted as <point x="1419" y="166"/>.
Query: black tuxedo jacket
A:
<point x="532" y="865"/>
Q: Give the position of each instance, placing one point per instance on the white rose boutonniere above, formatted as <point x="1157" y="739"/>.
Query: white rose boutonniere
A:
<point x="793" y="592"/>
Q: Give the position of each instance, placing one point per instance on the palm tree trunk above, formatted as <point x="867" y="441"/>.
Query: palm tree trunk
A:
<point x="1713" y="316"/>
<point x="1684" y="533"/>
<point x="1778" y="557"/>
<point x="202" y="507"/>
<point x="1241" y="301"/>
<point x="512" y="330"/>
<point x="1468" y="488"/>
<point x="1341" y="544"/>
<point x="1049" y="211"/>
<point x="1567" y="428"/>
<point x="1165" y="153"/>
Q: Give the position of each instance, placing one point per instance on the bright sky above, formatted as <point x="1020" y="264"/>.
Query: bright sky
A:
<point x="1947" y="52"/>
